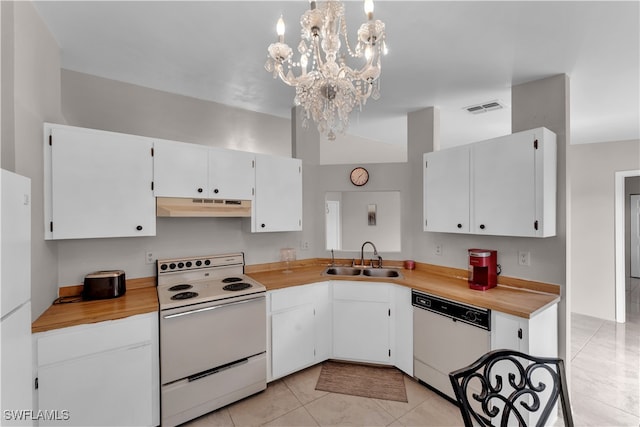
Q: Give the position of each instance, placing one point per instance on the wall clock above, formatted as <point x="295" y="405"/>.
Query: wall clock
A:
<point x="359" y="176"/>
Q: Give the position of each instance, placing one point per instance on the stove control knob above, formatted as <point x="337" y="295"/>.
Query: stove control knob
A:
<point x="172" y="266"/>
<point x="207" y="262"/>
<point x="198" y="263"/>
<point x="164" y="267"/>
<point x="188" y="264"/>
<point x="180" y="264"/>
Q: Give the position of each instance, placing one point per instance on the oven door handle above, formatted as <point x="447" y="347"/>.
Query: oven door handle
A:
<point x="213" y="307"/>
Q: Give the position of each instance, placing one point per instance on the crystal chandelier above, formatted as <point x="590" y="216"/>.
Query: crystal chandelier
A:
<point x="326" y="87"/>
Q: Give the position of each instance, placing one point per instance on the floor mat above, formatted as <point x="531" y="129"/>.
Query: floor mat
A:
<point x="377" y="382"/>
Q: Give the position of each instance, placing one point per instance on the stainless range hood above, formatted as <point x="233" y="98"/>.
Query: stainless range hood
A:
<point x="181" y="207"/>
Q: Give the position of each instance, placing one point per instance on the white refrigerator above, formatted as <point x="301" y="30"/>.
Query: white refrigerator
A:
<point x="15" y="300"/>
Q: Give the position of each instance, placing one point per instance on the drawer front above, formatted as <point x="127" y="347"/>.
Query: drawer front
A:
<point x="283" y="299"/>
<point x="361" y="291"/>
<point x="78" y="341"/>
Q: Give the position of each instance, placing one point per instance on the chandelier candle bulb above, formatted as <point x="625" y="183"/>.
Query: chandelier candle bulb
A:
<point x="280" y="29"/>
<point x="368" y="9"/>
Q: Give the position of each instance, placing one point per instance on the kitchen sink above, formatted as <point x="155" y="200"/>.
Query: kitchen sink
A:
<point x="343" y="271"/>
<point x="357" y="271"/>
<point x="381" y="272"/>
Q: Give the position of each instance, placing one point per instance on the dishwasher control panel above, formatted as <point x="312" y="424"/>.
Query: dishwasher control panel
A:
<point x="476" y="316"/>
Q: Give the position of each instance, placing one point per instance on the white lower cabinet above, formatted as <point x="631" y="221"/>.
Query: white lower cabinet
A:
<point x="346" y="320"/>
<point x="537" y="336"/>
<point x="402" y="321"/>
<point x="104" y="373"/>
<point x="300" y="329"/>
<point x="361" y="321"/>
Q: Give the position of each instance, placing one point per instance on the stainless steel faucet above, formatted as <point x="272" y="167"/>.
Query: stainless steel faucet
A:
<point x="375" y="253"/>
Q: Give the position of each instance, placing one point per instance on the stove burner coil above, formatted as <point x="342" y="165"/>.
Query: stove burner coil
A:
<point x="184" y="295"/>
<point x="231" y="280"/>
<point x="236" y="286"/>
<point x="182" y="287"/>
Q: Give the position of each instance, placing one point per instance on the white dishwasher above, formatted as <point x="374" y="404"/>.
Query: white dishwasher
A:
<point x="447" y="335"/>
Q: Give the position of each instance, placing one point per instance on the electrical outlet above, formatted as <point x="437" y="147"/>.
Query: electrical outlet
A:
<point x="524" y="258"/>
<point x="304" y="245"/>
<point x="438" y="249"/>
<point x="149" y="258"/>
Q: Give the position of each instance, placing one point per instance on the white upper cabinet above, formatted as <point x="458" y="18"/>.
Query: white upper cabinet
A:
<point x="97" y="184"/>
<point x="446" y="188"/>
<point x="231" y="174"/>
<point x="507" y="189"/>
<point x="180" y="169"/>
<point x="278" y="199"/>
<point x="197" y="171"/>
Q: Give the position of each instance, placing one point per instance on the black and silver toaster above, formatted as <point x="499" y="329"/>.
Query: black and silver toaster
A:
<point x="104" y="284"/>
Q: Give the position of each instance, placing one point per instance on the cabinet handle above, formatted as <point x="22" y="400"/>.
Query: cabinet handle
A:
<point x="139" y="228"/>
<point x="481" y="226"/>
<point x="263" y="225"/>
<point x="199" y="190"/>
<point x="459" y="225"/>
<point x="216" y="191"/>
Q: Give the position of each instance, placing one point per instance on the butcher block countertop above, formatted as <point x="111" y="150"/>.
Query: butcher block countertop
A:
<point x="518" y="297"/>
<point x="141" y="297"/>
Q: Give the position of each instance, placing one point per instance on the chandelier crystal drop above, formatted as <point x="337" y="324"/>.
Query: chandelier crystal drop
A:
<point x="326" y="87"/>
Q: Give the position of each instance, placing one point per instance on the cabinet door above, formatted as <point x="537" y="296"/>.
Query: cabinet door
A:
<point x="361" y="331"/>
<point x="110" y="388"/>
<point x="322" y="304"/>
<point x="402" y="321"/>
<point x="231" y="174"/>
<point x="509" y="332"/>
<point x="278" y="199"/>
<point x="361" y="321"/>
<point x="99" y="184"/>
<point x="105" y="373"/>
<point x="446" y="190"/>
<point x="180" y="169"/>
<point x="292" y="340"/>
<point x="503" y="186"/>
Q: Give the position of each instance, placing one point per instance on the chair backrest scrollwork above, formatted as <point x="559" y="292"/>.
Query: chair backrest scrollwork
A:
<point x="507" y="387"/>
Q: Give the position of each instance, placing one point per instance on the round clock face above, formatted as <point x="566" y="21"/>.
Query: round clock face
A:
<point x="359" y="176"/>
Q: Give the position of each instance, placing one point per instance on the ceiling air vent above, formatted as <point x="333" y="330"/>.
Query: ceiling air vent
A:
<point x="485" y="106"/>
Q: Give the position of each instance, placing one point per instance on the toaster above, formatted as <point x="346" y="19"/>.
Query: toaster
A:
<point x="104" y="284"/>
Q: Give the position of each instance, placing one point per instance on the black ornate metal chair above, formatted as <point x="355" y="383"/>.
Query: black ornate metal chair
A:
<point x="506" y="387"/>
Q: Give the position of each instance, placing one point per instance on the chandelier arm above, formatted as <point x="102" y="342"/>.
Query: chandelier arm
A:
<point x="289" y="81"/>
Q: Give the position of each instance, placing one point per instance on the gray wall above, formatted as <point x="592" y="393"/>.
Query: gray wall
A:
<point x="94" y="102"/>
<point x="30" y="96"/>
<point x="593" y="168"/>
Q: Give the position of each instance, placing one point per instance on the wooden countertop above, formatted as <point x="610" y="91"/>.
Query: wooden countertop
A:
<point x="518" y="297"/>
<point x="514" y="296"/>
<point x="141" y="297"/>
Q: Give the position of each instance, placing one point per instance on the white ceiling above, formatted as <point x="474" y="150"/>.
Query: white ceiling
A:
<point x="447" y="54"/>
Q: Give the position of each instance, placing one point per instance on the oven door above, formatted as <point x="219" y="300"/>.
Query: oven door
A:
<point x="200" y="337"/>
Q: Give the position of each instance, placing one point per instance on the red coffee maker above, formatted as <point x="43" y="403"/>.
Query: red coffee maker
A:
<point x="483" y="269"/>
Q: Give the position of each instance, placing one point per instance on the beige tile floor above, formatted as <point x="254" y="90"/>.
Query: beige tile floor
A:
<point x="605" y="389"/>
